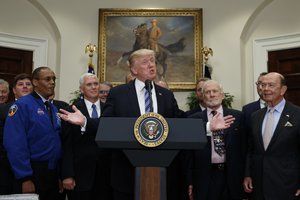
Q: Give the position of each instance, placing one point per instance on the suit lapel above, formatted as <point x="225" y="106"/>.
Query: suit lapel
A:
<point x="285" y="115"/>
<point x="82" y="107"/>
<point x="159" y="98"/>
<point x="135" y="108"/>
<point x="228" y="130"/>
<point x="258" y="127"/>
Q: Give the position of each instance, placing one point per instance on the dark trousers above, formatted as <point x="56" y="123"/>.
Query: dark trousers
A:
<point x="122" y="195"/>
<point x="7" y="180"/>
<point x="45" y="181"/>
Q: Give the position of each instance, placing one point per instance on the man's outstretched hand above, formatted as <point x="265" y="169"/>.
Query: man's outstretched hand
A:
<point x="75" y="117"/>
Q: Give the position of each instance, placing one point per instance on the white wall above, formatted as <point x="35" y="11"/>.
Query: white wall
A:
<point x="278" y="19"/>
<point x="71" y="24"/>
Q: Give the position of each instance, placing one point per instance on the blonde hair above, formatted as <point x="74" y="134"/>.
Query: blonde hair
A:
<point x="139" y="53"/>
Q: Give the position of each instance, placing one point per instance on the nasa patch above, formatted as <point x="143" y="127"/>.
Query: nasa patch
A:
<point x="12" y="110"/>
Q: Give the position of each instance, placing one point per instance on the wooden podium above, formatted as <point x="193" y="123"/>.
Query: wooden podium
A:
<point x="150" y="163"/>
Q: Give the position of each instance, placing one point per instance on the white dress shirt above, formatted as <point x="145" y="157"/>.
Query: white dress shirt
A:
<point x="140" y="91"/>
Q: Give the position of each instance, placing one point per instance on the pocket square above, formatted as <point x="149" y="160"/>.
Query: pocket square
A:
<point x="288" y="124"/>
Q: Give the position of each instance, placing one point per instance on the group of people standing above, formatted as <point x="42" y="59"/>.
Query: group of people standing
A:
<point x="48" y="146"/>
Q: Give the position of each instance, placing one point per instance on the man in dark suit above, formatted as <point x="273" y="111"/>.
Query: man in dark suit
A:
<point x="21" y="86"/>
<point x="216" y="172"/>
<point x="198" y="91"/>
<point x="256" y="105"/>
<point x="85" y="167"/>
<point x="273" y="161"/>
<point x="128" y="101"/>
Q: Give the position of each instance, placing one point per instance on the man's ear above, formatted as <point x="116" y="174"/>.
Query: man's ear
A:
<point x="34" y="82"/>
<point x="133" y="71"/>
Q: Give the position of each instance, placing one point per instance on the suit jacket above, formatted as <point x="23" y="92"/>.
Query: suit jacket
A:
<point x="193" y="111"/>
<point x="248" y="110"/>
<point x="200" y="169"/>
<point x="60" y="104"/>
<point x="122" y="102"/>
<point x="80" y="153"/>
<point x="275" y="171"/>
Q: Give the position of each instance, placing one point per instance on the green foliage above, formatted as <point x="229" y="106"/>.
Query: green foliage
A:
<point x="192" y="101"/>
<point x="75" y="97"/>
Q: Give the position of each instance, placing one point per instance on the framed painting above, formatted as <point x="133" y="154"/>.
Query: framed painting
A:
<point x="178" y="47"/>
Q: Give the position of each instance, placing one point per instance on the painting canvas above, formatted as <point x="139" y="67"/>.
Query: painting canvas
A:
<point x="178" y="50"/>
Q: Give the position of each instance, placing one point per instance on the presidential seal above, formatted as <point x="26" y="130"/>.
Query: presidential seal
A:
<point x="151" y="129"/>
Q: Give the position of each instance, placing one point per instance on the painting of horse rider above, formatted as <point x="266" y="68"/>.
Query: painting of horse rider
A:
<point x="174" y="40"/>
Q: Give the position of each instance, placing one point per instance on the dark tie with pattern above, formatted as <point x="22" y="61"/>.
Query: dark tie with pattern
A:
<point x="94" y="111"/>
<point x="218" y="139"/>
<point x="48" y="108"/>
<point x="147" y="101"/>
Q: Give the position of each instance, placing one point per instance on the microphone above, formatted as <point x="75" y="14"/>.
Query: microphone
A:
<point x="148" y="87"/>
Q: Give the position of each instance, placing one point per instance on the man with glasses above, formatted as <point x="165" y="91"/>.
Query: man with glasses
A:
<point x="32" y="138"/>
<point x="104" y="88"/>
<point x="273" y="160"/>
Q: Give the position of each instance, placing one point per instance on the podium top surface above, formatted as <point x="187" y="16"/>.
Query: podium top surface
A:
<point x="118" y="133"/>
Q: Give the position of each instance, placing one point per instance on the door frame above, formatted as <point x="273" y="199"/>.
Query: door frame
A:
<point x="39" y="47"/>
<point x="263" y="45"/>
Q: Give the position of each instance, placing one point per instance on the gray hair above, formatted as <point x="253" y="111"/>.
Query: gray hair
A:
<point x="81" y="80"/>
<point x="106" y="83"/>
<point x="5" y="83"/>
<point x="214" y="82"/>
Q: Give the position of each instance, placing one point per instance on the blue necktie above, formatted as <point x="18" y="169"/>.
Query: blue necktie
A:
<point x="94" y="111"/>
<point x="147" y="101"/>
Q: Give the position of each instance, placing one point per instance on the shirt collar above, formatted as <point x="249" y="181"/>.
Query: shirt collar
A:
<point x="279" y="107"/>
<point x="140" y="85"/>
<point x="219" y="110"/>
<point x="89" y="104"/>
<point x="43" y="99"/>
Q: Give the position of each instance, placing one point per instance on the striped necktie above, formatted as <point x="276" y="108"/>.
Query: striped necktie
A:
<point x="147" y="101"/>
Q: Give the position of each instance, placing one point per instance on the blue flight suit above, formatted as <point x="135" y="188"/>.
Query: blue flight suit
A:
<point x="32" y="142"/>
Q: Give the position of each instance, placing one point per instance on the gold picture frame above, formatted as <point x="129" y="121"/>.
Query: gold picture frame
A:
<point x="180" y="41"/>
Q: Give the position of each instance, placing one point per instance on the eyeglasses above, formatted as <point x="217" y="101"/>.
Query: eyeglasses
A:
<point x="104" y="91"/>
<point x="258" y="83"/>
<point x="269" y="85"/>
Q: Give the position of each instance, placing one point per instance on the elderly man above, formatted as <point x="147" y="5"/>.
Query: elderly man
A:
<point x="273" y="161"/>
<point x="4" y="91"/>
<point x="104" y="88"/>
<point x="217" y="170"/>
<point x="201" y="106"/>
<point x="33" y="122"/>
